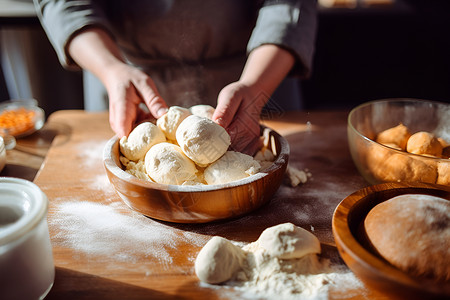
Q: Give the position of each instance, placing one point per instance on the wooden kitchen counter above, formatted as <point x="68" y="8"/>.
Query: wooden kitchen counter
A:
<point x="103" y="250"/>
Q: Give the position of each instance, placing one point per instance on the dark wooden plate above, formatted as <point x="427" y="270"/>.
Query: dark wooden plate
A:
<point x="355" y="249"/>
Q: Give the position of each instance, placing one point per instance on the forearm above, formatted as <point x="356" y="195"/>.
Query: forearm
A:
<point x="93" y="49"/>
<point x="266" y="67"/>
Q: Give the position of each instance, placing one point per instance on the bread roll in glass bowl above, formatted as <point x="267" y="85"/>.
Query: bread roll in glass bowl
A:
<point x="401" y="140"/>
<point x="198" y="203"/>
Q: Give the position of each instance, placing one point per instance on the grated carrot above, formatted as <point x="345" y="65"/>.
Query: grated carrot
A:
<point x="17" y="121"/>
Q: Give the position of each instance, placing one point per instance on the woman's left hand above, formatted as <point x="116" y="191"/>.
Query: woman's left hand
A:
<point x="238" y="111"/>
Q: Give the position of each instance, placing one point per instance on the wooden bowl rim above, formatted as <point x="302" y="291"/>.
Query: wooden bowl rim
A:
<point x="351" y="245"/>
<point x="278" y="163"/>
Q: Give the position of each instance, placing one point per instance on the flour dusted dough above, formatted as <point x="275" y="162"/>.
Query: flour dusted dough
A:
<point x="140" y="140"/>
<point x="202" y="140"/>
<point x="218" y="261"/>
<point x="170" y="121"/>
<point x="202" y="110"/>
<point x="287" y="241"/>
<point x="412" y="232"/>
<point x="166" y="163"/>
<point x="231" y="166"/>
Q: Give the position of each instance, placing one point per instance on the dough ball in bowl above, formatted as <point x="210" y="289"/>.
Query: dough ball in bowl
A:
<point x="166" y="163"/>
<point x="424" y="143"/>
<point x="202" y="140"/>
<point x="412" y="232"/>
<point x="202" y="110"/>
<point x="169" y="122"/>
<point x="394" y="137"/>
<point x="230" y="167"/>
<point x="140" y="140"/>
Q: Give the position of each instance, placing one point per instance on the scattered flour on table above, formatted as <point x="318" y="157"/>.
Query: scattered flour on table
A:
<point x="101" y="230"/>
<point x="91" y="152"/>
<point x="282" y="264"/>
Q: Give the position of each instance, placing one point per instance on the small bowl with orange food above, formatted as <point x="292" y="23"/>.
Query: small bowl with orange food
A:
<point x="19" y="118"/>
<point x="401" y="140"/>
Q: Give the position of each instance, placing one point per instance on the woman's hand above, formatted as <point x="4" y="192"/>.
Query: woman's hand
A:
<point x="127" y="88"/>
<point x="238" y="111"/>
<point x="93" y="49"/>
<point x="240" y="103"/>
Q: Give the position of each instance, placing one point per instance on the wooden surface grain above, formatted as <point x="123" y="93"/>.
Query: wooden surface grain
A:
<point x="135" y="257"/>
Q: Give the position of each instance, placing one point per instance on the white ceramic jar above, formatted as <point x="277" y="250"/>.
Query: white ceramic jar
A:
<point x="26" y="262"/>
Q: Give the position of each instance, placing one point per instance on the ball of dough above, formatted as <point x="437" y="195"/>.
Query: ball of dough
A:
<point x="140" y="140"/>
<point x="202" y="110"/>
<point x="166" y="163"/>
<point x="287" y="241"/>
<point x="412" y="232"/>
<point x="170" y="121"/>
<point x="397" y="135"/>
<point x="218" y="260"/>
<point x="424" y="143"/>
<point x="400" y="167"/>
<point x="202" y="140"/>
<point x="231" y="166"/>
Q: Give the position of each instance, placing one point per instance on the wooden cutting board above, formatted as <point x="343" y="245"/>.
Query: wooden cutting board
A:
<point x="104" y="250"/>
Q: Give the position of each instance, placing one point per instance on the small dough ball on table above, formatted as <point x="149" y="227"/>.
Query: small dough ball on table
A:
<point x="218" y="260"/>
<point x="397" y="135"/>
<point x="140" y="140"/>
<point x="424" y="143"/>
<point x="169" y="122"/>
<point x="231" y="166"/>
<point x="166" y="163"/>
<point x="443" y="173"/>
<point x="287" y="241"/>
<point x="202" y="140"/>
<point x="202" y="110"/>
<point x="412" y="232"/>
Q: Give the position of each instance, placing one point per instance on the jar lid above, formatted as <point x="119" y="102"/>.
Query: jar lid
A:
<point x="22" y="207"/>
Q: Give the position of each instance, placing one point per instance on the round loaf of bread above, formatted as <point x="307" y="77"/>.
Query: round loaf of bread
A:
<point x="412" y="232"/>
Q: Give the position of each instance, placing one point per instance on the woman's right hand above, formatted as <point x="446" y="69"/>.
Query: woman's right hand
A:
<point x="127" y="87"/>
<point x="95" y="50"/>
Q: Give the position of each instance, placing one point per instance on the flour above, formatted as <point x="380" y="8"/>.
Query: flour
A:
<point x="304" y="278"/>
<point x="102" y="232"/>
<point x="267" y="273"/>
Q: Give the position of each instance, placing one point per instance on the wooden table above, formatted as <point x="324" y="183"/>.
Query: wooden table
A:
<point x="135" y="257"/>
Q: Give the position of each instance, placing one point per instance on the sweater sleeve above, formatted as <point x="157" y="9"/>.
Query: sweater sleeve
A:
<point x="61" y="20"/>
<point x="290" y="25"/>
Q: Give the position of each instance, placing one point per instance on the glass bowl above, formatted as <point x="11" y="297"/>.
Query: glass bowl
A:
<point x="379" y="163"/>
<point x="19" y="118"/>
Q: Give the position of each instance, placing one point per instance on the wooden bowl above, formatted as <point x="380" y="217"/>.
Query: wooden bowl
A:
<point x="202" y="203"/>
<point x="355" y="250"/>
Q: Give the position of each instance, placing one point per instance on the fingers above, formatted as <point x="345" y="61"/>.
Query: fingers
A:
<point x="151" y="97"/>
<point x="228" y="103"/>
<point x="123" y="109"/>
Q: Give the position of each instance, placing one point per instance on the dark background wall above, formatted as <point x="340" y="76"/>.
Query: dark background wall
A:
<point x="374" y="53"/>
<point x="362" y="54"/>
